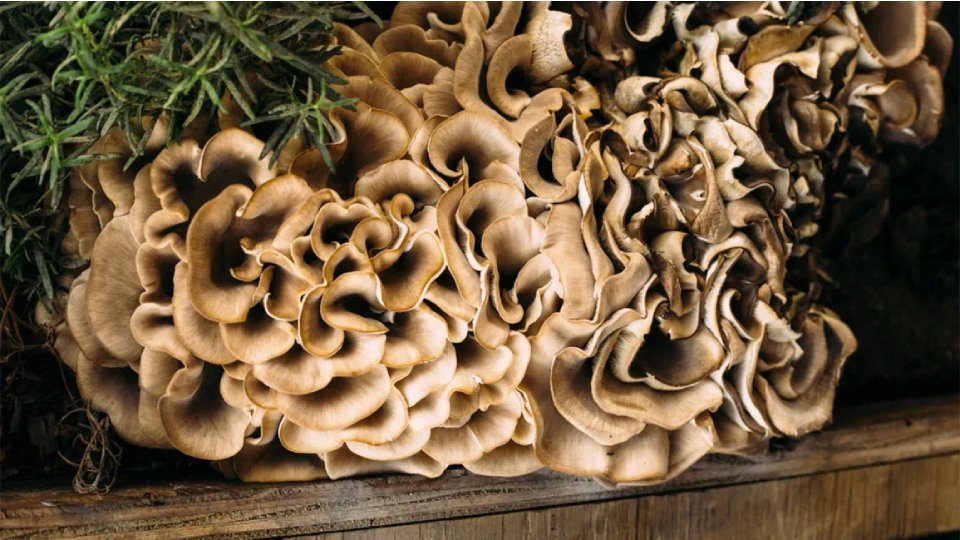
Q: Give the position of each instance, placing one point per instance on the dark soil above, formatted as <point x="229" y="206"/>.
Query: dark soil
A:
<point x="900" y="293"/>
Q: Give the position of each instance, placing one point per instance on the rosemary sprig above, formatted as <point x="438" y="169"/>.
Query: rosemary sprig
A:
<point x="70" y="72"/>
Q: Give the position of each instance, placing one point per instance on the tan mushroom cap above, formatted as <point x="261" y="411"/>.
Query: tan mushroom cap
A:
<point x="404" y="283"/>
<point x="115" y="391"/>
<point x="81" y="331"/>
<point x="379" y="94"/>
<point x="415" y="336"/>
<point x="812" y="409"/>
<point x="384" y="139"/>
<point x="199" y="334"/>
<point x="408" y="38"/>
<point x="265" y="459"/>
<point x="383" y="426"/>
<point x="353" y="63"/>
<point x="342" y="462"/>
<point x="213" y="291"/>
<point x="196" y="419"/>
<point x="340" y="404"/>
<point x="299" y="372"/>
<point x="113" y="290"/>
<point x="484" y="432"/>
<point x="549" y="58"/>
<point x="405" y="70"/>
<point x="350" y="37"/>
<point x="891" y="34"/>
<point x="258" y="338"/>
<point x="235" y="154"/>
<point x="457" y="141"/>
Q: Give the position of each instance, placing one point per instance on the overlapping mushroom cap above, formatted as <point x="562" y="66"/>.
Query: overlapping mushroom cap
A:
<point x="549" y="238"/>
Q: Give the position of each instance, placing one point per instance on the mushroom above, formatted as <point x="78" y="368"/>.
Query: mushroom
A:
<point x="548" y="236"/>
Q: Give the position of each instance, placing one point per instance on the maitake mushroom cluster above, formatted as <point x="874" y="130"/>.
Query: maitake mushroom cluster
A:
<point x="550" y="238"/>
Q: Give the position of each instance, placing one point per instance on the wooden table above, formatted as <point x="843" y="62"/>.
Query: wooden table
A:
<point x="881" y="471"/>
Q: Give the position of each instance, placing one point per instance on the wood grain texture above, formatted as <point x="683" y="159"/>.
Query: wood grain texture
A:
<point x="899" y="500"/>
<point x="860" y="437"/>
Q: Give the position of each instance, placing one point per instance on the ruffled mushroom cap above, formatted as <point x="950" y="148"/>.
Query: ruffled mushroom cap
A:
<point x="176" y="185"/>
<point x="891" y="34"/>
<point x="799" y="395"/>
<point x="263" y="458"/>
<point x="413" y="39"/>
<point x="113" y="290"/>
<point x="473" y="142"/>
<point x="196" y="419"/>
<point x="925" y="83"/>
<point x="116" y="392"/>
<point x="213" y="250"/>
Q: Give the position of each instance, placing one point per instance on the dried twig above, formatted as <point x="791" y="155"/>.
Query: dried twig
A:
<point x="97" y="468"/>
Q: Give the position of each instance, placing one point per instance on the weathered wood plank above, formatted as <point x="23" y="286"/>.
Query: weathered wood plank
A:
<point x="898" y="500"/>
<point x="860" y="437"/>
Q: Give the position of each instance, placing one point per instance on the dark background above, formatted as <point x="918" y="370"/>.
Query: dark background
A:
<point x="900" y="293"/>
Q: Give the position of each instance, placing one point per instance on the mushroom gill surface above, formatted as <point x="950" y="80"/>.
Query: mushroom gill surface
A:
<point x="561" y="238"/>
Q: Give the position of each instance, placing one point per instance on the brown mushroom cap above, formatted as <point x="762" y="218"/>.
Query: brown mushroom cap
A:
<point x="196" y="419"/>
<point x="113" y="290"/>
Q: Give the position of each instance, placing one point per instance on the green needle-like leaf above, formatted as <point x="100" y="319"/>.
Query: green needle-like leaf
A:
<point x="72" y="71"/>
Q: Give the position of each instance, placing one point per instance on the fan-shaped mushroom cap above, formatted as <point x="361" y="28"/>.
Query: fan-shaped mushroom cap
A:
<point x="199" y="334"/>
<point x="926" y="84"/>
<point x="213" y="292"/>
<point x="196" y="419"/>
<point x="484" y="432"/>
<point x="457" y="141"/>
<point x="381" y="427"/>
<point x="564" y="245"/>
<point x="443" y="15"/>
<point x="384" y="139"/>
<point x="891" y="34"/>
<point x="343" y="462"/>
<point x="349" y="37"/>
<point x="258" y="338"/>
<point x="408" y="38"/>
<point x="78" y="322"/>
<point x="264" y="459"/>
<point x="404" y="283"/>
<point x="299" y="372"/>
<point x="113" y="290"/>
<point x="145" y="203"/>
<point x="508" y="244"/>
<point x="510" y="459"/>
<point x="467" y="280"/>
<point x="234" y="154"/>
<point x="339" y="404"/>
<point x="938" y="46"/>
<point x="84" y="221"/>
<point x="415" y="336"/>
<point x="175" y="182"/>
<point x="514" y="53"/>
<point x="353" y="63"/>
<point x="382" y="95"/>
<point x="115" y="391"/>
<point x="807" y="404"/>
